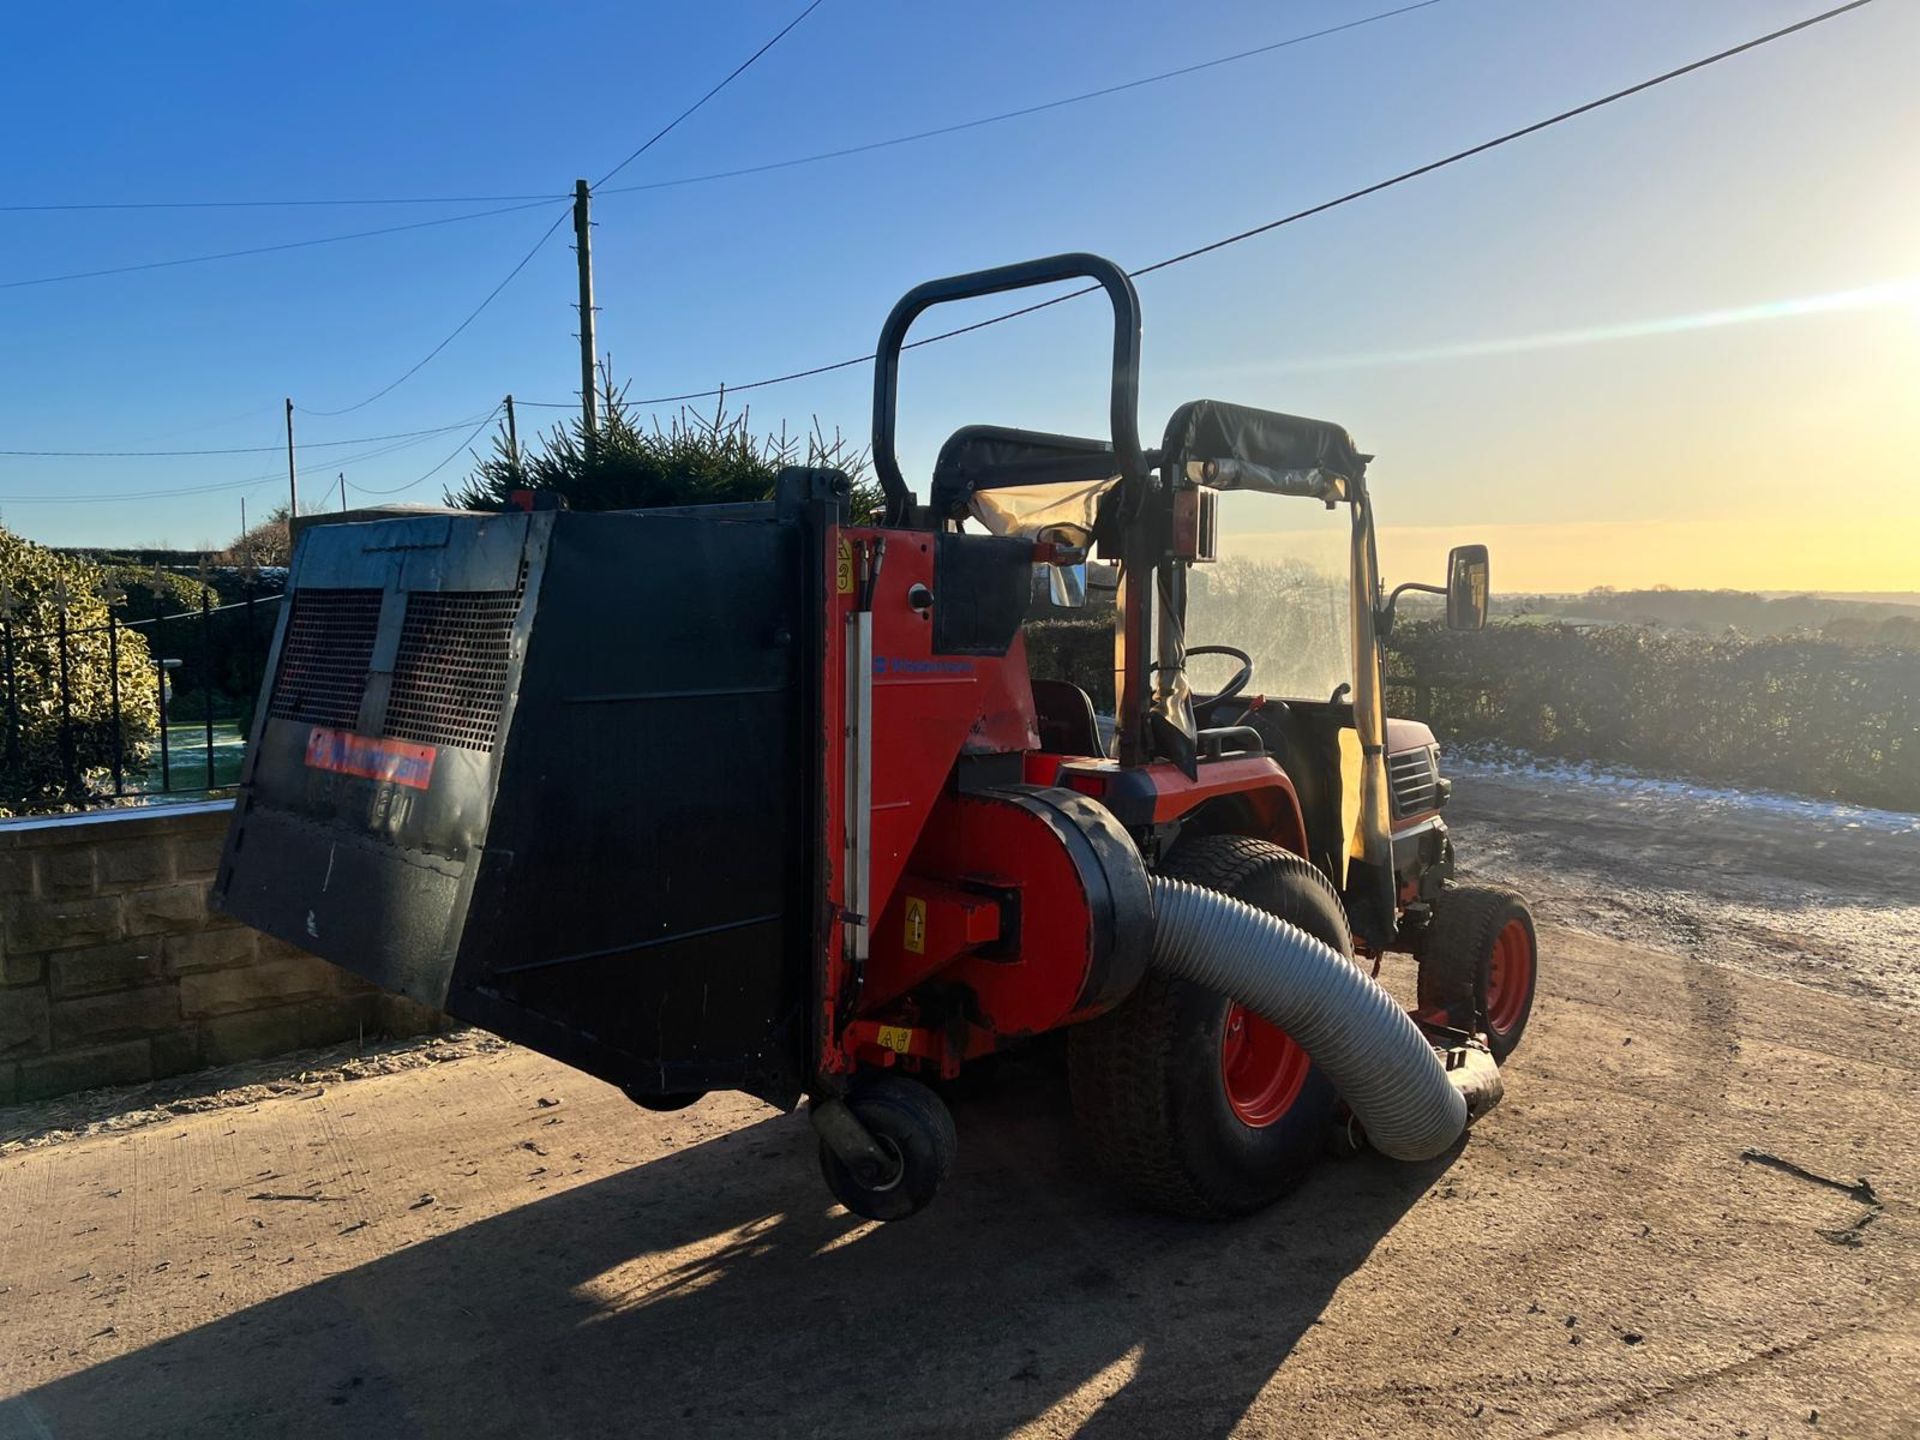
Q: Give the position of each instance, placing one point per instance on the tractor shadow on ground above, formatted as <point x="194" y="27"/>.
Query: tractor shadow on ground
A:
<point x="718" y="1291"/>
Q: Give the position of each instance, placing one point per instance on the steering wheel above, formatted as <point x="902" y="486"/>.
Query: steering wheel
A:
<point x="1239" y="681"/>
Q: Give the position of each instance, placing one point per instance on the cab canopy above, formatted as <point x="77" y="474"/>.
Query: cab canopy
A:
<point x="1236" y="447"/>
<point x="1040" y="486"/>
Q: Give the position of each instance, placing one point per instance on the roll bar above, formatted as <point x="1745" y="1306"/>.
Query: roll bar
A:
<point x="1125" y="403"/>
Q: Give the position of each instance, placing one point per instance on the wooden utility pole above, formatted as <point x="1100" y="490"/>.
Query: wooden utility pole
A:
<point x="343" y="492"/>
<point x="513" y="438"/>
<point x="583" y="253"/>
<point x="293" y="485"/>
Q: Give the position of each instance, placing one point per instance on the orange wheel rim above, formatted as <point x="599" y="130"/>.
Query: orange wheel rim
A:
<point x="1262" y="1066"/>
<point x="1509" y="977"/>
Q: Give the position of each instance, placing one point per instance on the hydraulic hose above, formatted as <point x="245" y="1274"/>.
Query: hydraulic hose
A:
<point x="1369" y="1047"/>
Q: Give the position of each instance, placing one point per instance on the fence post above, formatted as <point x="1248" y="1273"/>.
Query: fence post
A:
<point x="247" y="676"/>
<point x="13" y="698"/>
<point x="68" y="769"/>
<point x="113" y="675"/>
<point x="166" y="756"/>
<point x="206" y="665"/>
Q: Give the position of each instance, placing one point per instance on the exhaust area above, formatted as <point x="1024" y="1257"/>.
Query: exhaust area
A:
<point x="1398" y="1087"/>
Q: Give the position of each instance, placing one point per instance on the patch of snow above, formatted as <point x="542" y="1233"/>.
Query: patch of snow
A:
<point x="1630" y="784"/>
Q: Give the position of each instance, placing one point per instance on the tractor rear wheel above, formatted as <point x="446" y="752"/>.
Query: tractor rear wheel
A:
<point x="1480" y="963"/>
<point x="915" y="1128"/>
<point x="1189" y="1102"/>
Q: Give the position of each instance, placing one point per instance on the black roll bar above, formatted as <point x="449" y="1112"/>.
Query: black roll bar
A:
<point x="1126" y="360"/>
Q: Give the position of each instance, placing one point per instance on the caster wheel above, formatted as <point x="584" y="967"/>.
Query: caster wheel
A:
<point x="913" y="1126"/>
<point x="663" y="1103"/>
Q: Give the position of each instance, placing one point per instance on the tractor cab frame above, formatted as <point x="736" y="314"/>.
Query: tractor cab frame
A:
<point x="1153" y="512"/>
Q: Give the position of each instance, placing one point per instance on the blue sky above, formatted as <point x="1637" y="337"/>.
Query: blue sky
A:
<point x="1780" y="175"/>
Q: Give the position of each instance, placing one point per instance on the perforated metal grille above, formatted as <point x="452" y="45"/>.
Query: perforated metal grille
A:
<point x="323" y="662"/>
<point x="450" y="678"/>
<point x="1414" y="776"/>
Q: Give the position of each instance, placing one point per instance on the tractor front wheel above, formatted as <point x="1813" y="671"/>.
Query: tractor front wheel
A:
<point x="1480" y="963"/>
<point x="915" y="1129"/>
<point x="1191" y="1103"/>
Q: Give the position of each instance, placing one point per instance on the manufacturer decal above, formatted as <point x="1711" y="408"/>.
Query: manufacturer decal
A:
<point x="908" y="665"/>
<point x="398" y="762"/>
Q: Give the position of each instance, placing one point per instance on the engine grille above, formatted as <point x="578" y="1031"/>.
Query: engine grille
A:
<point x="1414" y="779"/>
<point x="323" y="662"/>
<point x="450" y="677"/>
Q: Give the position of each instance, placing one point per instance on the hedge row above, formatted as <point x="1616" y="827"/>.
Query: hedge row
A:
<point x="1808" y="715"/>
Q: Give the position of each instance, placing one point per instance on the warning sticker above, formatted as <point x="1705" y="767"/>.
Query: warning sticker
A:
<point x="397" y="761"/>
<point x="916" y="937"/>
<point x="843" y="569"/>
<point x="897" y="1038"/>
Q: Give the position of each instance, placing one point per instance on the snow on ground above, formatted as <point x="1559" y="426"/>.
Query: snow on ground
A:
<point x="1824" y="894"/>
<point x="1615" y="780"/>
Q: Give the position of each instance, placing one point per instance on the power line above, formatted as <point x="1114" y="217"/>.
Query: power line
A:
<point x="453" y="334"/>
<point x="861" y="149"/>
<point x="492" y="294"/>
<point x="124" y="496"/>
<point x="1024" y="110"/>
<point x="733" y="75"/>
<point x="1347" y="199"/>
<point x="91" y="205"/>
<point x="232" y="450"/>
<point x="249" y="482"/>
<point x="452" y="455"/>
<point x="261" y="249"/>
<point x="547" y="234"/>
<point x="658" y="135"/>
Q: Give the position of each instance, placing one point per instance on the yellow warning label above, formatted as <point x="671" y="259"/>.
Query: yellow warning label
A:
<point x="843" y="569"/>
<point x="916" y="939"/>
<point x="897" y="1038"/>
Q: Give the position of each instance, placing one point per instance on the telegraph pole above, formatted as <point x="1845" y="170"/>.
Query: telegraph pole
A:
<point x="583" y="253"/>
<point x="343" y="492"/>
<point x="293" y="485"/>
<point x="513" y="438"/>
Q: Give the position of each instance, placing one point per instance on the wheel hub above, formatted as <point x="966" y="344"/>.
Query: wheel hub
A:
<point x="1262" y="1066"/>
<point x="1509" y="976"/>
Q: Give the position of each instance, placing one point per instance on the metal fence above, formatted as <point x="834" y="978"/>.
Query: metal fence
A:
<point x="207" y="663"/>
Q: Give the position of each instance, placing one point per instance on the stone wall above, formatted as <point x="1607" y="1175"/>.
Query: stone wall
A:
<point x="113" y="970"/>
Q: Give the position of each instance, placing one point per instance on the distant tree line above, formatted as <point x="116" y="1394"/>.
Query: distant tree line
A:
<point x="1719" y="612"/>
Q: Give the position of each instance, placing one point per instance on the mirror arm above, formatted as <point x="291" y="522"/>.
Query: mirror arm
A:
<point x="1385" y="621"/>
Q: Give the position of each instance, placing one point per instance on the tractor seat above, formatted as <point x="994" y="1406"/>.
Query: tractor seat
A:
<point x="1064" y="713"/>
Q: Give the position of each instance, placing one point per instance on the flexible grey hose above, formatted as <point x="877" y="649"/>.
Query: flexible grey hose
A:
<point x="1358" y="1034"/>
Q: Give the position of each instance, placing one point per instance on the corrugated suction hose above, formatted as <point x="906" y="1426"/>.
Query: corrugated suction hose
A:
<point x="1356" y="1032"/>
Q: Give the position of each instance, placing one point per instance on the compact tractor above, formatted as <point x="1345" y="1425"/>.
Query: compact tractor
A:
<point x="758" y="797"/>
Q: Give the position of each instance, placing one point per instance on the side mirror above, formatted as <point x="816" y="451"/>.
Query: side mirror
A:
<point x="1066" y="584"/>
<point x="1467" y="586"/>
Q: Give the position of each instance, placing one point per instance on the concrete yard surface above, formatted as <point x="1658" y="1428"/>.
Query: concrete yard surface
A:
<point x="499" y="1246"/>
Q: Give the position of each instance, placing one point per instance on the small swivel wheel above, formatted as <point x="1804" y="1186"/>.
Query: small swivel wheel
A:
<point x="913" y="1131"/>
<point x="663" y="1104"/>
